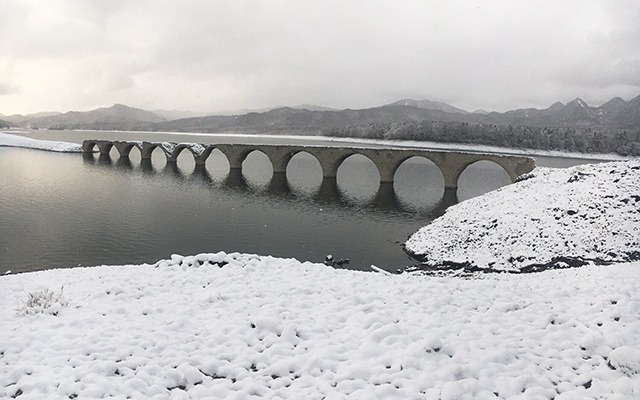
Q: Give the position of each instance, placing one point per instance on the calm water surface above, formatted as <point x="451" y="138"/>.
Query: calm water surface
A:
<point x="64" y="210"/>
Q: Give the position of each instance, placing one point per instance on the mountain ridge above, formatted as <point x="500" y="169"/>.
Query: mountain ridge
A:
<point x="309" y="119"/>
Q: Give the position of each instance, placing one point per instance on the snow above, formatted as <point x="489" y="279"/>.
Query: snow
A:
<point x="9" y="140"/>
<point x="244" y="326"/>
<point x="555" y="218"/>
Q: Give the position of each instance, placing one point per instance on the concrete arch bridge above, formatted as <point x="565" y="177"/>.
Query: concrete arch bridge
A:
<point x="450" y="163"/>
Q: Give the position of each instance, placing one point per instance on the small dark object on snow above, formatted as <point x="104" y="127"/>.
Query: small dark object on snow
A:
<point x="524" y="177"/>
<point x="577" y="176"/>
<point x="330" y="261"/>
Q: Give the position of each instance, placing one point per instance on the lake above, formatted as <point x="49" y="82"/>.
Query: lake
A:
<point x="67" y="210"/>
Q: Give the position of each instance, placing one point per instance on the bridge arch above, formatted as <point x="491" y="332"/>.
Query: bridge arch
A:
<point x="487" y="174"/>
<point x="173" y="152"/>
<point x="149" y="147"/>
<point x="358" y="177"/>
<point x="124" y="148"/>
<point x="184" y="158"/>
<point x="105" y="148"/>
<point x="427" y="164"/>
<point x="89" y="146"/>
<point x="135" y="152"/>
<point x="304" y="171"/>
<point x="147" y="150"/>
<point x="235" y="156"/>
<point x="215" y="161"/>
<point x="253" y="167"/>
<point x="507" y="165"/>
<point x="400" y="161"/>
<point x="331" y="162"/>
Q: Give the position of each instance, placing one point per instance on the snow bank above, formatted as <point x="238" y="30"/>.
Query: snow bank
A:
<point x="8" y="140"/>
<point x="554" y="218"/>
<point x="240" y="326"/>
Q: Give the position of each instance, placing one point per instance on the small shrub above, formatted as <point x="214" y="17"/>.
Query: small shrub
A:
<point x="43" y="302"/>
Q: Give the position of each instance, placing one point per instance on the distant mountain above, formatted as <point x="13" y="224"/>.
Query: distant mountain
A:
<point x="23" y="120"/>
<point x="616" y="113"/>
<point x="43" y="114"/>
<point x="243" y="111"/>
<point x="177" y="114"/>
<point x="303" y="121"/>
<point x="613" y="106"/>
<point x="118" y="116"/>
<point x="578" y="114"/>
<point x="628" y="115"/>
<point x="429" y="105"/>
<point x="5" y="124"/>
<point x="312" y="120"/>
<point x="313" y="107"/>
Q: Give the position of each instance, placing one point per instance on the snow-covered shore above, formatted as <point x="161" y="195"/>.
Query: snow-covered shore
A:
<point x="260" y="327"/>
<point x="237" y="326"/>
<point x="554" y="218"/>
<point x="8" y="140"/>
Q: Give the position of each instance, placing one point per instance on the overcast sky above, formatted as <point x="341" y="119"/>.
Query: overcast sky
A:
<point x="228" y="55"/>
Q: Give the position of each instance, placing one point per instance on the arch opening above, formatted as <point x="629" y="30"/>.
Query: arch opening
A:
<point x="481" y="177"/>
<point x="304" y="173"/>
<point x="158" y="159"/>
<point x="217" y="165"/>
<point x="185" y="161"/>
<point x="114" y="154"/>
<point x="135" y="155"/>
<point x="257" y="169"/>
<point x="358" y="179"/>
<point x="418" y="183"/>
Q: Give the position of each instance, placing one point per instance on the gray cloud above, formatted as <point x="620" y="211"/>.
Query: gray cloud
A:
<point x="210" y="56"/>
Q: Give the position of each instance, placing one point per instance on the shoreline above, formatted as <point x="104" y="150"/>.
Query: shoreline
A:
<point x="398" y="144"/>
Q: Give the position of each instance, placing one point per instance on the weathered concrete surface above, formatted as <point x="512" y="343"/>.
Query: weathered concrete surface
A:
<point x="451" y="164"/>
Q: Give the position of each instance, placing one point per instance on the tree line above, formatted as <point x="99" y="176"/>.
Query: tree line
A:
<point x="582" y="140"/>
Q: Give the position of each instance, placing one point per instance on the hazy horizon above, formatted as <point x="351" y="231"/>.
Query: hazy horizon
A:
<point x="265" y="109"/>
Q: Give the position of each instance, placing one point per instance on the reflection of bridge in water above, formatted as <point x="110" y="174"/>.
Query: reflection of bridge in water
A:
<point x="387" y="161"/>
<point x="278" y="187"/>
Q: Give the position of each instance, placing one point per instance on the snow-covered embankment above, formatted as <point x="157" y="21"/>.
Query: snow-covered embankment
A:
<point x="8" y="140"/>
<point x="552" y="218"/>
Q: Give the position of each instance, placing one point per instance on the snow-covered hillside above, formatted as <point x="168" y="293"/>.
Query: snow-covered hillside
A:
<point x="236" y="326"/>
<point x="552" y="218"/>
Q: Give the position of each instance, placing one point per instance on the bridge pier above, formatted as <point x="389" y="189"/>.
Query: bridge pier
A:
<point x="387" y="164"/>
<point x="201" y="160"/>
<point x="279" y="158"/>
<point x="147" y="149"/>
<point x="235" y="156"/>
<point x="329" y="161"/>
<point x="124" y="148"/>
<point x="279" y="184"/>
<point x="451" y="174"/>
<point x="105" y="148"/>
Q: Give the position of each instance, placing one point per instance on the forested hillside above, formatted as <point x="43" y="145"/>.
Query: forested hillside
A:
<point x="584" y="140"/>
